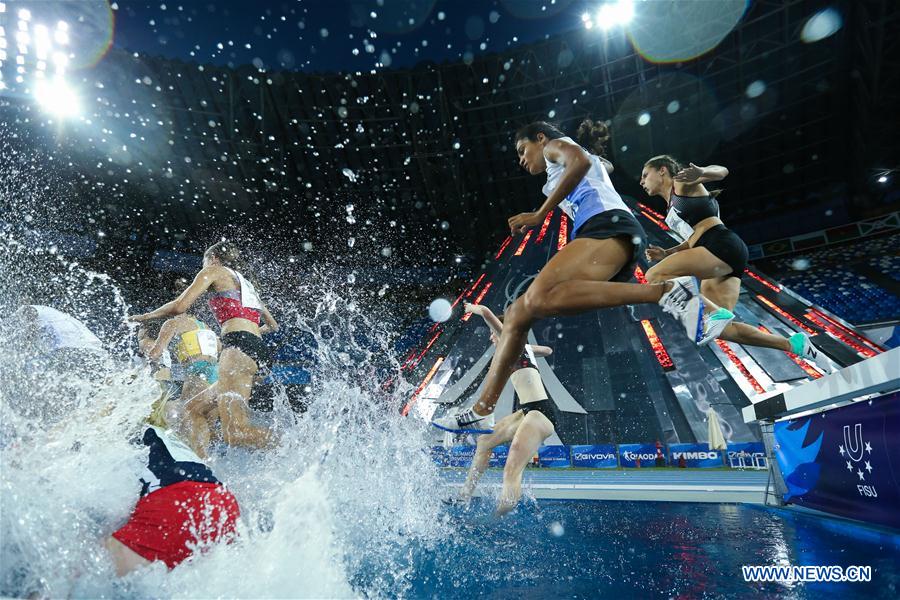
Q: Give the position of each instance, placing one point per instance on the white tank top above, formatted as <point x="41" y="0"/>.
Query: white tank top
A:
<point x="249" y="297"/>
<point x="65" y="331"/>
<point x="593" y="195"/>
<point x="208" y="342"/>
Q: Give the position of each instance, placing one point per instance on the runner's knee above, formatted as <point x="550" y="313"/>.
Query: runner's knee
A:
<point x="544" y="302"/>
<point x="656" y="275"/>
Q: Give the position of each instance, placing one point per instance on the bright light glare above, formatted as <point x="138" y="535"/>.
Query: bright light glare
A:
<point x="61" y="36"/>
<point x="41" y="41"/>
<point x="882" y="179"/>
<point x="60" y="59"/>
<point x="24" y="14"/>
<point x="615" y="13"/>
<point x="41" y="34"/>
<point x="57" y="97"/>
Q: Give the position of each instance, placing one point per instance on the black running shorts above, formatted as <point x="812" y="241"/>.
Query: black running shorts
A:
<point x="727" y="247"/>
<point x="617" y="223"/>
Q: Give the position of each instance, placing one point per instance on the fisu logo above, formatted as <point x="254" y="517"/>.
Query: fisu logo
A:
<point x="853" y="446"/>
<point x="857" y="451"/>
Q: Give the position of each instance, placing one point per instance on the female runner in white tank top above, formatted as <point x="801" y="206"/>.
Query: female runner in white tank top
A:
<point x="588" y="273"/>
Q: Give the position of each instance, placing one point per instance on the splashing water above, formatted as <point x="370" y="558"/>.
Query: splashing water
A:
<point x="334" y="510"/>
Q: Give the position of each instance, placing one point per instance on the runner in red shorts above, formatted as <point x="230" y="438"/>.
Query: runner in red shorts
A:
<point x="183" y="508"/>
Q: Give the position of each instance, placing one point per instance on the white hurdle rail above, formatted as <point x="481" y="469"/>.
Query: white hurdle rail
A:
<point x="877" y="375"/>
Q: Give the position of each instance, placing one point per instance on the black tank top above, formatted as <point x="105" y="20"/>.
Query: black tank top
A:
<point x="685" y="212"/>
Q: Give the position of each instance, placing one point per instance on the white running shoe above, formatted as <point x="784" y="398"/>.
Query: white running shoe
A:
<point x="803" y="347"/>
<point x="465" y="422"/>
<point x="684" y="303"/>
<point x="714" y="324"/>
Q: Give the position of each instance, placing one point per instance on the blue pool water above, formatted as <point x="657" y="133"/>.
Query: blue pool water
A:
<point x="597" y="549"/>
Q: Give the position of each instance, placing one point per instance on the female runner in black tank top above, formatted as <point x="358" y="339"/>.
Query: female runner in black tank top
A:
<point x="525" y="429"/>
<point x="711" y="252"/>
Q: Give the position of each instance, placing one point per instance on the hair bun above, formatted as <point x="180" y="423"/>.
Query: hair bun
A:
<point x="593" y="135"/>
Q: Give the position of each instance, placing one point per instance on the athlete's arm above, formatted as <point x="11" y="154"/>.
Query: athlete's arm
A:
<point x="489" y="317"/>
<point x="682" y="246"/>
<point x="166" y="333"/>
<point x="577" y="164"/>
<point x="542" y="350"/>
<point x="607" y="165"/>
<point x="271" y="325"/>
<point x="655" y="253"/>
<point x="692" y="176"/>
<point x="182" y="303"/>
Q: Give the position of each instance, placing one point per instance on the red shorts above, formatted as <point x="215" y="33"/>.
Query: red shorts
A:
<point x="170" y="523"/>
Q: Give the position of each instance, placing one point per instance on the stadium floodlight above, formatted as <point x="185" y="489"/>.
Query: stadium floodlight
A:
<point x="613" y="14"/>
<point x="57" y="97"/>
<point x="60" y="60"/>
<point x="882" y="179"/>
<point x="24" y="14"/>
<point x="61" y="35"/>
<point x="42" y="42"/>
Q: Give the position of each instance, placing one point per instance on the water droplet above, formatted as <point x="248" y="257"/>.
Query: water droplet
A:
<point x="557" y="529"/>
<point x="440" y="310"/>
<point x="800" y="264"/>
<point x="756" y="89"/>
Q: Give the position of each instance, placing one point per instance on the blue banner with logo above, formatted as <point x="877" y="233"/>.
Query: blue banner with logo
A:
<point x="461" y="456"/>
<point x="554" y="456"/>
<point x="438" y="455"/>
<point x="498" y="456"/>
<point x="845" y="461"/>
<point x="600" y="456"/>
<point x="639" y="455"/>
<point x="746" y="454"/>
<point x="694" y="456"/>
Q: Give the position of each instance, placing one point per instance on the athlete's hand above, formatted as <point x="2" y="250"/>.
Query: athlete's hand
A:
<point x="655" y="253"/>
<point x="523" y="221"/>
<point x="690" y="175"/>
<point x="137" y="318"/>
<point x="472" y="308"/>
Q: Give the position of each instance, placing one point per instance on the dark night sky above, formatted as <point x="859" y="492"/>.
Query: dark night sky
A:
<point x="292" y="35"/>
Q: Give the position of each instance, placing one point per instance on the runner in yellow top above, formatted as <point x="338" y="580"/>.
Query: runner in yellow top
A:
<point x="196" y="347"/>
